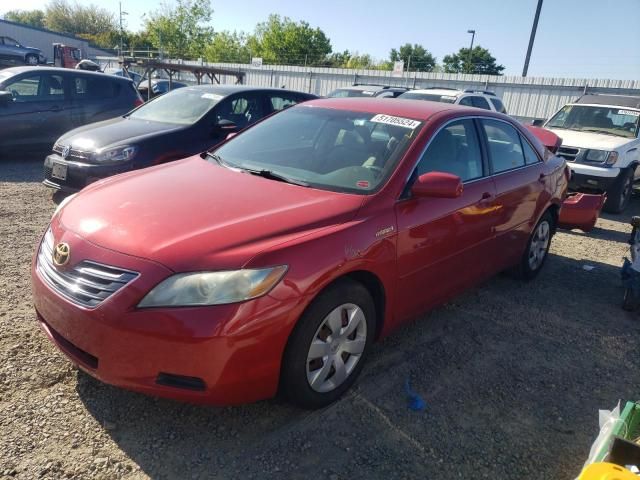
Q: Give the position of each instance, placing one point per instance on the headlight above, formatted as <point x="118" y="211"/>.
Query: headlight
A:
<point x="119" y="154"/>
<point x="601" y="156"/>
<point x="213" y="288"/>
<point x="62" y="204"/>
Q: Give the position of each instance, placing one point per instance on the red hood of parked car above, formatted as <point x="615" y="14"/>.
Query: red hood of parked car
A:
<point x="194" y="215"/>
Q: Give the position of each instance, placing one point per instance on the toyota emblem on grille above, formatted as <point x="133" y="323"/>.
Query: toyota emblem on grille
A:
<point x="61" y="254"/>
<point x="65" y="151"/>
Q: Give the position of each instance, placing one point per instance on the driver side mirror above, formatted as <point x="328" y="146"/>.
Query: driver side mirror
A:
<point x="5" y="98"/>
<point x="438" y="185"/>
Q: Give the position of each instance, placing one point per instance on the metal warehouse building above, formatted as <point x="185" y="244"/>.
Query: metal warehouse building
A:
<point x="44" y="39"/>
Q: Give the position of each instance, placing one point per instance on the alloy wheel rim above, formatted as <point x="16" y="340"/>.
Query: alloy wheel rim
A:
<point x="539" y="245"/>
<point x="336" y="348"/>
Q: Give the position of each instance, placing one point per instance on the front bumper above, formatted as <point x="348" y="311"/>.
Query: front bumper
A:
<point x="80" y="174"/>
<point x="588" y="177"/>
<point x="233" y="351"/>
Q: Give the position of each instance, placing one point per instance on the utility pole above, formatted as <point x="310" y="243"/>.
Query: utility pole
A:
<point x="473" y="35"/>
<point x="122" y="14"/>
<point x="531" y="39"/>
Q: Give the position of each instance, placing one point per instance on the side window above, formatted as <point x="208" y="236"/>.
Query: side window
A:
<point x="94" y="88"/>
<point x="242" y="110"/>
<point x="35" y="88"/>
<point x="386" y="95"/>
<point x="505" y="149"/>
<point x="466" y="101"/>
<point x="499" y="106"/>
<point x="455" y="149"/>
<point x="530" y="156"/>
<point x="280" y="102"/>
<point x="480" y="102"/>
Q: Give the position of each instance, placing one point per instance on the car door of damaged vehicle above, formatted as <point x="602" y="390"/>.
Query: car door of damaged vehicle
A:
<point x="445" y="244"/>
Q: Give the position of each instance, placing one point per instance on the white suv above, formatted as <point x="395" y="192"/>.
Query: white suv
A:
<point x="470" y="98"/>
<point x="600" y="142"/>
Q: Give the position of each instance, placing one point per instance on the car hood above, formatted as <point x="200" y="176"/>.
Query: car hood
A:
<point x="193" y="214"/>
<point x="115" y="131"/>
<point x="597" y="141"/>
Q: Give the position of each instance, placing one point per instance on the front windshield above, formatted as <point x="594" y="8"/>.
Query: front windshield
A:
<point x="431" y="97"/>
<point x="621" y="122"/>
<point x="184" y="106"/>
<point x="330" y="149"/>
<point x="349" y="92"/>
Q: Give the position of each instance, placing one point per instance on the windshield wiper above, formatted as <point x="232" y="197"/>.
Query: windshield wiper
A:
<point x="271" y="175"/>
<point x="218" y="159"/>
<point x="595" y="130"/>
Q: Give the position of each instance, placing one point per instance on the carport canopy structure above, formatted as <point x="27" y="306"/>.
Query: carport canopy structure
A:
<point x="199" y="71"/>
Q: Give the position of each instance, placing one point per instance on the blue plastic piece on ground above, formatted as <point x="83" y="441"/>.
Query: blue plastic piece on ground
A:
<point x="416" y="403"/>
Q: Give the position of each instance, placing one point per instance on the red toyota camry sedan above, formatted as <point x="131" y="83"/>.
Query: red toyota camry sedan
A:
<point x="274" y="261"/>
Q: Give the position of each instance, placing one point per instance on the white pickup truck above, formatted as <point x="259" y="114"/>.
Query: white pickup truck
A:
<point x="601" y="145"/>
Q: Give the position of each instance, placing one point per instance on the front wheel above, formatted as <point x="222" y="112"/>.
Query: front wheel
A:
<point x="537" y="248"/>
<point x="327" y="348"/>
<point x="619" y="195"/>
<point x="31" y="60"/>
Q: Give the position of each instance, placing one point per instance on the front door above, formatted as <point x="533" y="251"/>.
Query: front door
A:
<point x="39" y="112"/>
<point x="445" y="245"/>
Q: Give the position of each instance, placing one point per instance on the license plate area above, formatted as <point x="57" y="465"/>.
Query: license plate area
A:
<point x="59" y="171"/>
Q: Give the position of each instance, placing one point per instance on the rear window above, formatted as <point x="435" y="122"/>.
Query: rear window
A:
<point x="498" y="105"/>
<point x="95" y="87"/>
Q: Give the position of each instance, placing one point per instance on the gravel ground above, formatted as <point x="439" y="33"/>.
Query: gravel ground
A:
<point x="513" y="375"/>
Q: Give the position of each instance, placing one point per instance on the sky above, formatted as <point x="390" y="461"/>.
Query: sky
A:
<point x="575" y="38"/>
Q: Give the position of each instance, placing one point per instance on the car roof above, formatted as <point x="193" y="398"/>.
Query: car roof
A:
<point x="420" y="110"/>
<point x="372" y="88"/>
<point x="19" y="70"/>
<point x="438" y="91"/>
<point x="610" y="100"/>
<point x="231" y="89"/>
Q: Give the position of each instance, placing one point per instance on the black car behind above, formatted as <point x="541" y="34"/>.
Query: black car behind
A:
<point x="176" y="125"/>
<point x="38" y="104"/>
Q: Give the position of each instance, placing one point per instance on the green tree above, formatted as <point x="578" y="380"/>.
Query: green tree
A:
<point x="228" y="47"/>
<point x="35" y="18"/>
<point x="281" y="40"/>
<point x="63" y="16"/>
<point x="181" y="31"/>
<point x="480" y="61"/>
<point x="415" y="57"/>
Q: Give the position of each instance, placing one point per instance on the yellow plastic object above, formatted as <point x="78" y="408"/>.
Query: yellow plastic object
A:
<point x="606" y="471"/>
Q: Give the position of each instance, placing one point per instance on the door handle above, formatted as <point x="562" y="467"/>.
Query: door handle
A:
<point x="486" y="196"/>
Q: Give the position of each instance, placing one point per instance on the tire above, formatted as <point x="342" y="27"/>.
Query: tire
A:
<point x="537" y="249"/>
<point x="31" y="59"/>
<point x="619" y="194"/>
<point x="316" y="376"/>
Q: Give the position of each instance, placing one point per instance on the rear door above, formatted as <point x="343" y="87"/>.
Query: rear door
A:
<point x="39" y="113"/>
<point x="444" y="244"/>
<point x="520" y="185"/>
<point x="95" y="98"/>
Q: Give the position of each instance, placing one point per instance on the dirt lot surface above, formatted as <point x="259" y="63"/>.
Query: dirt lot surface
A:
<point x="513" y="375"/>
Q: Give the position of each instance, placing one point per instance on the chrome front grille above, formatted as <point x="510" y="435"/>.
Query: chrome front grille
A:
<point x="73" y="153"/>
<point x="87" y="284"/>
<point x="569" y="153"/>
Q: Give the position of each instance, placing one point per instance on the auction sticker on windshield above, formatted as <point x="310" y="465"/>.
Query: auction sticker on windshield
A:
<point x="397" y="121"/>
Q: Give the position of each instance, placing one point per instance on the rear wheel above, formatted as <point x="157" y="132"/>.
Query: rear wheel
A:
<point x="537" y="248"/>
<point x="31" y="59"/>
<point x="619" y="195"/>
<point x="327" y="349"/>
